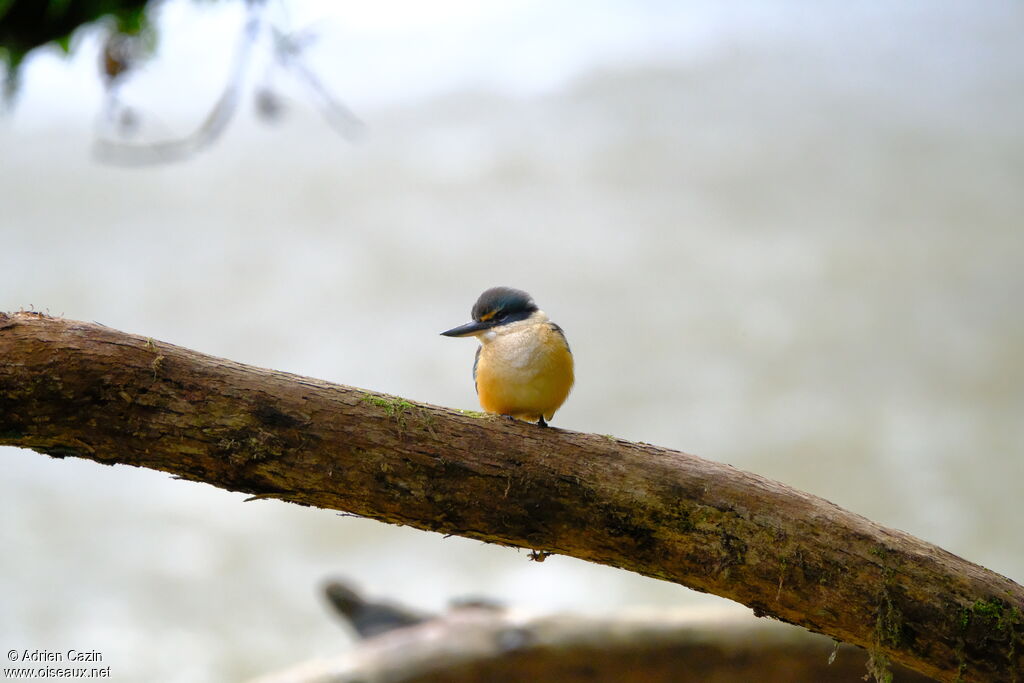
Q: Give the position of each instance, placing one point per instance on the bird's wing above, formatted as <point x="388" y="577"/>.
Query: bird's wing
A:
<point x="558" y="330"/>
<point x="476" y="361"/>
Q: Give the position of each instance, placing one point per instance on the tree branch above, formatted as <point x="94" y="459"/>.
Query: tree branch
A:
<point x="468" y="645"/>
<point x="78" y="389"/>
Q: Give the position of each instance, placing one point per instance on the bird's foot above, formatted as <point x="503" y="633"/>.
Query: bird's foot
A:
<point x="541" y="422"/>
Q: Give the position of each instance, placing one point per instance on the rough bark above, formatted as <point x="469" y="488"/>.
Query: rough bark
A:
<point x="470" y="645"/>
<point x="77" y="389"/>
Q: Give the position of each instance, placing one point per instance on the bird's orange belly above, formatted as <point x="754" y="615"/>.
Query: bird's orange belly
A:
<point x="528" y="389"/>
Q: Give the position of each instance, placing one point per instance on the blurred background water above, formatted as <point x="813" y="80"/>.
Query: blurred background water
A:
<point x="780" y="235"/>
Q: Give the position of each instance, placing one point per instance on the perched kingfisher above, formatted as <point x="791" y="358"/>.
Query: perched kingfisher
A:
<point x="523" y="367"/>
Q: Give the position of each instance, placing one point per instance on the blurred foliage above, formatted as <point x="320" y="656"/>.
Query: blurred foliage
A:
<point x="28" y="24"/>
<point x="130" y="39"/>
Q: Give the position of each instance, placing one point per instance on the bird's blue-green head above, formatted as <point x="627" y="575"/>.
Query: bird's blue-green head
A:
<point x="497" y="306"/>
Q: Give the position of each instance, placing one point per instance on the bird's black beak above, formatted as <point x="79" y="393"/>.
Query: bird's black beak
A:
<point x="468" y="329"/>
